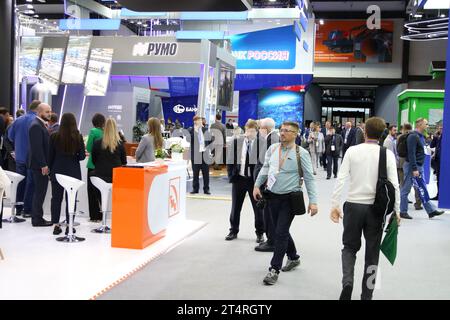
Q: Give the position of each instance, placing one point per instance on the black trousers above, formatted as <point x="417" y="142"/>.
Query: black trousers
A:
<point x="205" y="173"/>
<point x="239" y="189"/>
<point x="57" y="197"/>
<point x="360" y="219"/>
<point x="269" y="226"/>
<point x="284" y="244"/>
<point x="324" y="160"/>
<point x="94" y="198"/>
<point x="332" y="160"/>
<point x="40" y="191"/>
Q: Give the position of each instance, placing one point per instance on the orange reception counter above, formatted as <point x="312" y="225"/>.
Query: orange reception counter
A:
<point x="146" y="199"/>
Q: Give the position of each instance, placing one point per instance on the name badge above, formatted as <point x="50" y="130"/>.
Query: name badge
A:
<point x="317" y="143"/>
<point x="271" y="181"/>
<point x="333" y="148"/>
<point x="345" y="140"/>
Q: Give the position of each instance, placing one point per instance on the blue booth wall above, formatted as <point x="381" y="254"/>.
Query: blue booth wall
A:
<point x="190" y="107"/>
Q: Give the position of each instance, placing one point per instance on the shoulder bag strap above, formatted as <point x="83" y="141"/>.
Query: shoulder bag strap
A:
<point x="382" y="165"/>
<point x="299" y="164"/>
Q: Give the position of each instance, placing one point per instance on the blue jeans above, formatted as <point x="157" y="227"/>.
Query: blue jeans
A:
<point x="25" y="189"/>
<point x="406" y="189"/>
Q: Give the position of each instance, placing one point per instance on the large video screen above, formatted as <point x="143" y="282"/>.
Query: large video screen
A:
<point x="351" y="41"/>
<point x="76" y="60"/>
<point x="97" y="77"/>
<point x="30" y="52"/>
<point x="51" y="67"/>
<point x="226" y="87"/>
<point x="281" y="106"/>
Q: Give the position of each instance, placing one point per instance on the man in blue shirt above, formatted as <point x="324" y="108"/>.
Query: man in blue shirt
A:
<point x="18" y="134"/>
<point x="281" y="172"/>
<point x="413" y="168"/>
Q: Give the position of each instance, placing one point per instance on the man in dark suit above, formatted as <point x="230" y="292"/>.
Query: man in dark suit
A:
<point x="200" y="154"/>
<point x="333" y="147"/>
<point x="38" y="163"/>
<point x="244" y="152"/>
<point x="349" y="136"/>
<point x="269" y="136"/>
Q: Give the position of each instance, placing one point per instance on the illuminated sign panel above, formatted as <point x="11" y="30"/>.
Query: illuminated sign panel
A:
<point x="257" y="50"/>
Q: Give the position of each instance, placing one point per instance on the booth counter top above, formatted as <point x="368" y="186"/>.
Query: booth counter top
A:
<point x="146" y="198"/>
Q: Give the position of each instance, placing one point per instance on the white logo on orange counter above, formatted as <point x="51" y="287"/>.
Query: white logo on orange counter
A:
<point x="174" y="196"/>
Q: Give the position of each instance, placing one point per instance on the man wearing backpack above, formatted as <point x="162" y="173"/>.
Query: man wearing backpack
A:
<point x="361" y="165"/>
<point x="402" y="153"/>
<point x="413" y="168"/>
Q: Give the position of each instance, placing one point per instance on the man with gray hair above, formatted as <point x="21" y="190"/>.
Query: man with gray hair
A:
<point x="268" y="134"/>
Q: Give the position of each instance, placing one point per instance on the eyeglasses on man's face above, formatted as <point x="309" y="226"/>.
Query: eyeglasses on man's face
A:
<point x="287" y="130"/>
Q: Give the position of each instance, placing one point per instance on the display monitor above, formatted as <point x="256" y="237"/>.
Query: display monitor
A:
<point x="281" y="105"/>
<point x="226" y="86"/>
<point x="51" y="67"/>
<point x="30" y="52"/>
<point x="76" y="60"/>
<point x="142" y="112"/>
<point x="99" y="68"/>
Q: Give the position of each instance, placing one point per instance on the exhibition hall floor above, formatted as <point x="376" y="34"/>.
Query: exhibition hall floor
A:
<point x="36" y="266"/>
<point x="206" y="266"/>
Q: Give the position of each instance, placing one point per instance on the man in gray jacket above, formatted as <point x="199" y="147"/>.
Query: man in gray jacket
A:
<point x="218" y="131"/>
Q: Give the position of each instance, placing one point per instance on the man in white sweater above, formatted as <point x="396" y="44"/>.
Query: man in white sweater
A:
<point x="360" y="164"/>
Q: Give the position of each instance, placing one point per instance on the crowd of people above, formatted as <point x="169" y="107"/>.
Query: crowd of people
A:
<point x="271" y="166"/>
<point x="38" y="146"/>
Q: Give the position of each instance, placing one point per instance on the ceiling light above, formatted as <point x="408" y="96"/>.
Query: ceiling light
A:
<point x="29" y="0"/>
<point x="145" y="25"/>
<point x="36" y="16"/>
<point x="29" y="6"/>
<point x="45" y="19"/>
<point x="417" y="15"/>
<point x="321" y="21"/>
<point x="139" y="22"/>
<point x="278" y="22"/>
<point x="443" y="16"/>
<point x="272" y="0"/>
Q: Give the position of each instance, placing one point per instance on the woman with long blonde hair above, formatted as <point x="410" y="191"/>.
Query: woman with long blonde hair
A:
<point x="108" y="152"/>
<point x="150" y="142"/>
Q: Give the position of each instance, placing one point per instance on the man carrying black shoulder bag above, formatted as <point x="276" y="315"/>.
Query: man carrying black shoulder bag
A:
<point x="373" y="194"/>
<point x="284" y="168"/>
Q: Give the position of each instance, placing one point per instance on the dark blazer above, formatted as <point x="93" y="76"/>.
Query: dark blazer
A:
<point x="235" y="151"/>
<point x="39" y="145"/>
<point x="265" y="144"/>
<point x="195" y="153"/>
<point x="63" y="163"/>
<point x="351" y="139"/>
<point x="339" y="142"/>
<point x="105" y="161"/>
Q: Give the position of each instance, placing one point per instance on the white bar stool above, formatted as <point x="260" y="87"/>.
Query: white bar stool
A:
<point x="15" y="179"/>
<point x="105" y="190"/>
<point x="71" y="185"/>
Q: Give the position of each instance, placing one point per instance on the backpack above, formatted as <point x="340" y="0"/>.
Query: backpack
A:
<point x="402" y="148"/>
<point x="385" y="191"/>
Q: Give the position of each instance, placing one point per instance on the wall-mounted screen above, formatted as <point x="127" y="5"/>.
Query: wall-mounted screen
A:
<point x="76" y="60"/>
<point x="281" y="105"/>
<point x="97" y="77"/>
<point x="51" y="67"/>
<point x="30" y="52"/>
<point x="351" y="41"/>
<point x="226" y="87"/>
